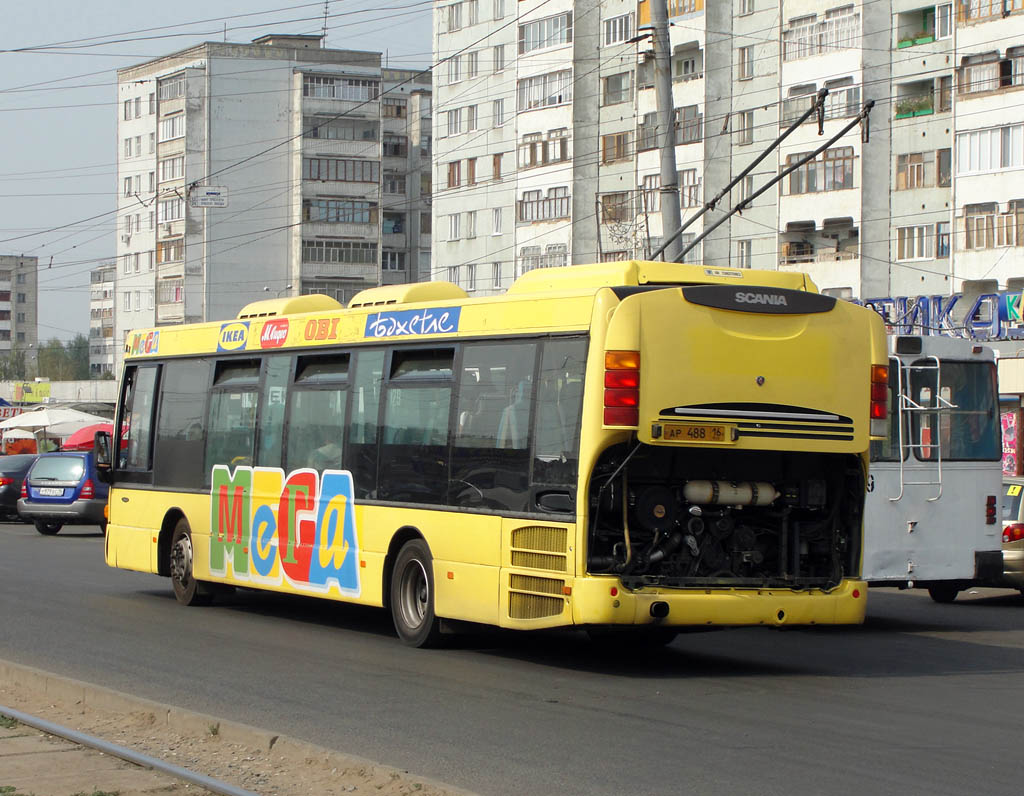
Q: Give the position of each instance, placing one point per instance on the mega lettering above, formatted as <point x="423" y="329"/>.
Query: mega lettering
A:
<point x="272" y="528"/>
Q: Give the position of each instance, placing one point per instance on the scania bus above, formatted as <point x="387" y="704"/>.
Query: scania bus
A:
<point x="635" y="445"/>
<point x="932" y="518"/>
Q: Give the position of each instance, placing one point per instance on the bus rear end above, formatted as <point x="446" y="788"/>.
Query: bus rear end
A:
<point x="727" y="477"/>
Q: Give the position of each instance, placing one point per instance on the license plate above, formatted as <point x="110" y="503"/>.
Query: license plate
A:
<point x="50" y="491"/>
<point x="699" y="432"/>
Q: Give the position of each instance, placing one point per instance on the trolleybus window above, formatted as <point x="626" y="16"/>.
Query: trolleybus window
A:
<point x="967" y="427"/>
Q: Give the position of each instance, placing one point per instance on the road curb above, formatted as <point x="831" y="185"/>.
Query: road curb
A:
<point x="68" y="691"/>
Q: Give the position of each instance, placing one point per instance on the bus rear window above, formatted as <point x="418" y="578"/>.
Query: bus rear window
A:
<point x="964" y="423"/>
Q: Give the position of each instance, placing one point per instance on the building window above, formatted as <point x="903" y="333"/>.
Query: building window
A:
<point x="498" y="112"/>
<point x="745" y="64"/>
<point x="533" y="207"/>
<point x="127" y="109"/>
<point x="471" y="118"/>
<point x="647" y="132"/>
<point x="496" y="275"/>
<point x="496" y="166"/>
<point x="454" y="69"/>
<point x="496" y="221"/>
<point x="171" y="87"/>
<point x="339" y="251"/>
<point x="342" y="129"/>
<point x="618" y="29"/>
<point x="127" y="303"/>
<point x="689" y="188"/>
<point x="339" y="211"/>
<point x="744" y="253"/>
<point x="172" y="168"/>
<point x="171" y="291"/>
<point x="394" y="107"/>
<point x="915" y="243"/>
<point x="470" y="171"/>
<point x="807" y="36"/>
<point x="651" y="193"/>
<point x="832" y="171"/>
<point x="172" y="127"/>
<point x="942" y="239"/>
<point x="455" y="121"/>
<point x="542" y="91"/>
<point x="169" y="251"/>
<point x="340" y="170"/>
<point x="152" y="143"/>
<point x="472" y="64"/>
<point x="746" y="7"/>
<point x="128" y="147"/>
<point x="152" y="103"/>
<point x="915" y="170"/>
<point x="392" y="260"/>
<point x="617" y="88"/>
<point x="170" y="210"/>
<point x="745" y="127"/>
<point x="138" y="107"/>
<point x="394" y="183"/>
<point x="127" y="186"/>
<point x="454" y="226"/>
<point x="688" y="123"/>
<point x="426" y="224"/>
<point x="498" y="52"/>
<point x="454" y="16"/>
<point x="989" y="150"/>
<point x="344" y="88"/>
<point x="615" y="207"/>
<point x="394" y="146"/>
<point x="455" y="174"/>
<point x="547" y="32"/>
<point x="614" y="146"/>
<point x="471" y="224"/>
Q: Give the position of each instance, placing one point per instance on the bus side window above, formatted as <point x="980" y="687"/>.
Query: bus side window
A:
<point x="559" y="405"/>
<point x="140" y="391"/>
<point x="276" y="372"/>
<point x="231" y="429"/>
<point x="490" y="448"/>
<point x="181" y="427"/>
<point x="316" y="412"/>
<point x="361" y="449"/>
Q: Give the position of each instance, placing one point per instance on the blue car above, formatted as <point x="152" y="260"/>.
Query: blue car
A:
<point x="63" y="489"/>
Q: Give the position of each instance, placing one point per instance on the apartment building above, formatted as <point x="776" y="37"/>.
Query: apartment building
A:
<point x="19" y="298"/>
<point x="280" y="167"/>
<point x="918" y="199"/>
<point x="101" y="320"/>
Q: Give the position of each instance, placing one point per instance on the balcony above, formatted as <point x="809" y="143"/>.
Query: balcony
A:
<point x="920" y="105"/>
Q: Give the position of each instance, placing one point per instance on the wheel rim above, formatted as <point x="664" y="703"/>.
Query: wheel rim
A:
<point x="413" y="594"/>
<point x="181" y="562"/>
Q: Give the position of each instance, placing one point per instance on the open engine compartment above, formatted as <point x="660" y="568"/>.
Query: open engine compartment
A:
<point x="689" y="517"/>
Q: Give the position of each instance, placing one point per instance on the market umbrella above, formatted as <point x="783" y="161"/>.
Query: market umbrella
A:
<point x="82" y="440"/>
<point x="55" y="421"/>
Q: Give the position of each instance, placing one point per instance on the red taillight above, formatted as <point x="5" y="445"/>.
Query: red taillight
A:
<point x="622" y="388"/>
<point x="88" y="490"/>
<point x="5" y="481"/>
<point x="1013" y="533"/>
<point x="24" y="489"/>
<point x="991" y="506"/>
<point x="879" y="392"/>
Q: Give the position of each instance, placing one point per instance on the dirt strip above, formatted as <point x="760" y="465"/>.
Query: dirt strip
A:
<point x="244" y="756"/>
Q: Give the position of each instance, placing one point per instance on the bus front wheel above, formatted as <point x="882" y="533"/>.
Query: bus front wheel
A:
<point x="187" y="590"/>
<point x="412" y="595"/>
<point x="943" y="592"/>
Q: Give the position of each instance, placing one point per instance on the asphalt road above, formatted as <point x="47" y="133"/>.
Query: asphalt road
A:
<point x="924" y="698"/>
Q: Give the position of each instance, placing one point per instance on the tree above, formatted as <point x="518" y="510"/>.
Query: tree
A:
<point x="53" y="361"/>
<point x="78" y="356"/>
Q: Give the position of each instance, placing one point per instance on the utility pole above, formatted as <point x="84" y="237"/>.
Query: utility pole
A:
<point x="670" y="216"/>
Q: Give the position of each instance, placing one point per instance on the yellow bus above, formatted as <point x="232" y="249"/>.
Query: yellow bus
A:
<point x="633" y="446"/>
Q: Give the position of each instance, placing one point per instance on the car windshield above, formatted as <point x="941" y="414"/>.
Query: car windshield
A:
<point x="1011" y="502"/>
<point x="58" y="468"/>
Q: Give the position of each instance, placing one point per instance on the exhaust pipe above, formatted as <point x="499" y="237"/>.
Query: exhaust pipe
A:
<point x="659" y="610"/>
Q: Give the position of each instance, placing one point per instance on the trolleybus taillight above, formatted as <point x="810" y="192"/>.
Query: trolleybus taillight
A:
<point x="621" y="388"/>
<point x="990" y="510"/>
<point x="879" y="399"/>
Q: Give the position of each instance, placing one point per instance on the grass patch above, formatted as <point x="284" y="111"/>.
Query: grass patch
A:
<point x="97" y="793"/>
<point x="8" y="724"/>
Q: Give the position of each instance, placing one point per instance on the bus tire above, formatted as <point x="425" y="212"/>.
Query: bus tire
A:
<point x="412" y="596"/>
<point x="47" y="527"/>
<point x="187" y="590"/>
<point x="943" y="592"/>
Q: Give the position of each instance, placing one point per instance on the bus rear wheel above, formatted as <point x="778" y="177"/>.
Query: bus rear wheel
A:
<point x="943" y="592"/>
<point x="187" y="590"/>
<point x="412" y="596"/>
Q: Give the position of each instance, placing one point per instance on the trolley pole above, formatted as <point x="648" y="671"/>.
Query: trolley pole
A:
<point x="670" y="214"/>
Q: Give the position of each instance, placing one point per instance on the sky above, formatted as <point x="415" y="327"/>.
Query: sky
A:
<point x="58" y="111"/>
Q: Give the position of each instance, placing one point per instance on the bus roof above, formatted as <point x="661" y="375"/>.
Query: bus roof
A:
<point x="430" y="309"/>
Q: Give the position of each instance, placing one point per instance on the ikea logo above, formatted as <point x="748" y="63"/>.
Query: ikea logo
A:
<point x="233" y="336"/>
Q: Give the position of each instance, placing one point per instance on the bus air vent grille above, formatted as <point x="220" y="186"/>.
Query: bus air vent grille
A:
<point x="540" y="547"/>
<point x="535" y="598"/>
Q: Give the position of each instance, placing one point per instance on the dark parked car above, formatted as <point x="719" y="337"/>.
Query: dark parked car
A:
<point x="62" y="489"/>
<point x="12" y="473"/>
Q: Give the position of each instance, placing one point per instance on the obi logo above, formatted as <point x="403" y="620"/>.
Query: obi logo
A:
<point x="274" y="334"/>
<point x="272" y="528"/>
<point x="233" y="336"/>
<point x="321" y="329"/>
<point x="404" y="323"/>
<point x="145" y="343"/>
